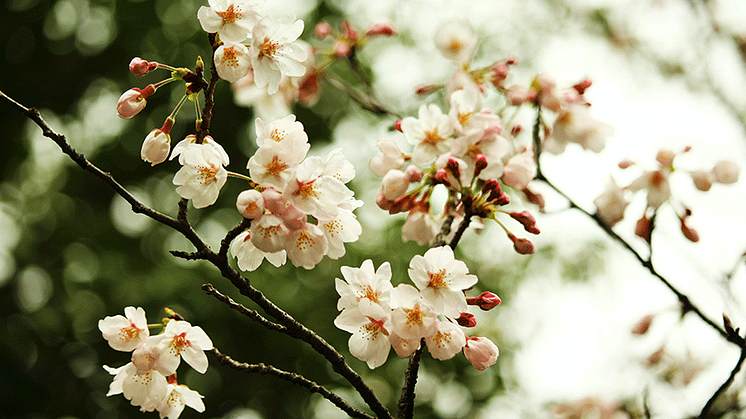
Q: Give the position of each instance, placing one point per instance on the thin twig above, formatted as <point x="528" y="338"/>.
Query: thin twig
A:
<point x="294" y="378"/>
<point x="724" y="386"/>
<point x="406" y="401"/>
<point x="252" y="314"/>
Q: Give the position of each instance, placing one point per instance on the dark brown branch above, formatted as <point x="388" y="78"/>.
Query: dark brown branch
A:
<point x="445" y="230"/>
<point x="724" y="386"/>
<point x="186" y="255"/>
<point x="232" y="234"/>
<point x="204" y="127"/>
<point x="252" y="314"/>
<point x="406" y="401"/>
<point x="461" y="229"/>
<point x="296" y="379"/>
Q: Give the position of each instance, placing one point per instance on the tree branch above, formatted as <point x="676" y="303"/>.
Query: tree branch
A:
<point x="252" y="314"/>
<point x="406" y="401"/>
<point x="724" y="386"/>
<point x="296" y="379"/>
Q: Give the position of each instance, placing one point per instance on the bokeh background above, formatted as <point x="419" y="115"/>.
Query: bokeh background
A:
<point x="666" y="73"/>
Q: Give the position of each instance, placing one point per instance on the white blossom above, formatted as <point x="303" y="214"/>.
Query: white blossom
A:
<point x="233" y="19"/>
<point x="274" y="51"/>
<point x="125" y="333"/>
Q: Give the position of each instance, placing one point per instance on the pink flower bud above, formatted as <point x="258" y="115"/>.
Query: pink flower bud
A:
<point x="140" y="67"/>
<point x="423" y="90"/>
<point x="341" y="49"/>
<point x="397" y="125"/>
<point x="382" y="202"/>
<point x="294" y="218"/>
<point x="414" y="173"/>
<point x="394" y="184"/>
<point x="441" y="177"/>
<point x="689" y="232"/>
<point x="156" y="147"/>
<point x="534" y="198"/>
<point x="528" y="221"/>
<point x="322" y="30"/>
<point x="402" y="204"/>
<point x="133" y="101"/>
<point x="516" y="130"/>
<point x="491" y="185"/>
<point x="486" y="301"/>
<point x="499" y="199"/>
<point x="382" y="28"/>
<point x="522" y="246"/>
<point x="348" y="31"/>
<point x="582" y="85"/>
<point x="274" y="201"/>
<point x="453" y="168"/>
<point x="466" y="320"/>
<point x="250" y="204"/>
<point x="481" y="352"/>
<point x="309" y="90"/>
<point x="480" y="163"/>
<point x="725" y="171"/>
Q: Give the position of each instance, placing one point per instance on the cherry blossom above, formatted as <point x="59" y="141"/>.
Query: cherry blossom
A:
<point x="611" y="204"/>
<point x="446" y="342"/>
<point x="232" y="61"/>
<point x="441" y="280"/>
<point x="273" y="164"/>
<point x="268" y="233"/>
<point x="178" y="396"/>
<point x="419" y="226"/>
<point x="364" y="283"/>
<point x="286" y="129"/>
<point x="520" y="170"/>
<point x="201" y="177"/>
<point x="181" y="340"/>
<point x="306" y="246"/>
<point x="249" y="257"/>
<point x="575" y="125"/>
<point x="133" y="101"/>
<point x="233" y="19"/>
<point x="391" y="158"/>
<point x="430" y="133"/>
<point x="250" y="204"/>
<point x="369" y="325"/>
<point x="456" y="41"/>
<point x="413" y="317"/>
<point x="142" y="388"/>
<point x="344" y="228"/>
<point x="313" y="192"/>
<point x="274" y="51"/>
<point x="125" y="333"/>
<point x="726" y="172"/>
<point x="191" y="139"/>
<point x="156" y="147"/>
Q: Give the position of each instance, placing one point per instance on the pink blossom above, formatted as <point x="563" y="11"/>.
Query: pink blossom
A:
<point x="125" y="333"/>
<point x="133" y="101"/>
<point x="181" y="340"/>
<point x="446" y="342"/>
<point x="481" y="352"/>
<point x="250" y="204"/>
<point x="249" y="257"/>
<point x="456" y="41"/>
<point x="157" y="145"/>
<point x="520" y="170"/>
<point x="441" y="280"/>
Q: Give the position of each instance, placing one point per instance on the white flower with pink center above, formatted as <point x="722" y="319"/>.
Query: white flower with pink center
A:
<point x="125" y="333"/>
<point x="338" y="167"/>
<point x="178" y="396"/>
<point x="413" y="317"/>
<point x="446" y="342"/>
<point x="340" y="230"/>
<point x="249" y="257"/>
<point x="364" y="283"/>
<point x="274" y="51"/>
<point x="306" y="246"/>
<point x="429" y="133"/>
<point x="313" y="192"/>
<point x="201" y="177"/>
<point x="286" y="129"/>
<point x="268" y="233"/>
<point x="181" y="340"/>
<point x="232" y="61"/>
<point x="369" y="324"/>
<point x="273" y="164"/>
<point x="403" y="347"/>
<point x="441" y="280"/>
<point x="233" y="19"/>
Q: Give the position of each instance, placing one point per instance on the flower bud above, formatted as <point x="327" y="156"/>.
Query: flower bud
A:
<point x="665" y="157"/>
<point x="453" y="168"/>
<point x="133" y="101"/>
<point x="382" y="28"/>
<point x="342" y="49"/>
<point x="625" y="163"/>
<point x="145" y="357"/>
<point x="644" y="228"/>
<point x="725" y="171"/>
<point x="394" y="184"/>
<point x="690" y="233"/>
<point x="441" y="177"/>
<point x="527" y="220"/>
<point x="250" y="204"/>
<point x="480" y="163"/>
<point x="397" y="125"/>
<point x="522" y="246"/>
<point x="391" y="158"/>
<point x="486" y="301"/>
<point x="274" y="201"/>
<point x="466" y="320"/>
<point x="405" y="203"/>
<point x="414" y="173"/>
<point x="491" y="185"/>
<point x="156" y="147"/>
<point x="140" y="67"/>
<point x="481" y="352"/>
<point x="425" y="89"/>
<point x="322" y="30"/>
<point x="382" y="202"/>
<point x="582" y="85"/>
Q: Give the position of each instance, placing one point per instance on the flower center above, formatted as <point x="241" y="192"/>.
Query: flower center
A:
<point x="432" y="137"/>
<point x="230" y="57"/>
<point x="414" y="316"/>
<point x="231" y="14"/>
<point x="307" y="189"/>
<point x="127" y="333"/>
<point x="206" y="174"/>
<point x="179" y="343"/>
<point x="276" y="166"/>
<point x="333" y="227"/>
<point x="441" y="339"/>
<point x="304" y="240"/>
<point x="463" y="118"/>
<point x="278" y="134"/>
<point x="268" y="48"/>
<point x="437" y="279"/>
<point x="455" y="45"/>
<point x="367" y="292"/>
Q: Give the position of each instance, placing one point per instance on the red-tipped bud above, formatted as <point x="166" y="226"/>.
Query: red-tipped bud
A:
<point x="644" y="228"/>
<point x="687" y="149"/>
<point x="397" y="125"/>
<point x="453" y="168"/>
<point x="309" y="90"/>
<point x="467" y="320"/>
<point x="516" y="130"/>
<point x="348" y="31"/>
<point x="480" y="163"/>
<point x="534" y="198"/>
<point x="441" y="177"/>
<point x="581" y="86"/>
<point x="322" y="30"/>
<point x="491" y="185"/>
<point x="140" y="67"/>
<point x="625" y="163"/>
<point x="383" y="28"/>
<point x="642" y="326"/>
<point x="413" y="173"/>
<point x="522" y="246"/>
<point x="499" y="199"/>
<point x="528" y="221"/>
<point x="382" y="202"/>
<point x="486" y="301"/>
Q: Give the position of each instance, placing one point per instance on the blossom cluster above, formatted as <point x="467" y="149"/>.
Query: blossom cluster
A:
<point x="289" y="189"/>
<point x="380" y="316"/>
<point x="655" y="184"/>
<point x="271" y="52"/>
<point x="149" y="380"/>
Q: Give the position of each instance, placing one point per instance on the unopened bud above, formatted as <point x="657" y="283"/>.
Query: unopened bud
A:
<point x="397" y="125"/>
<point x="486" y="301"/>
<point x="534" y="198"/>
<point x="322" y="30"/>
<point x="644" y="228"/>
<point x="521" y="245"/>
<point x="528" y="221"/>
<point x="499" y="199"/>
<point x="665" y="157"/>
<point x="582" y="85"/>
<point x="491" y="185"/>
<point x="480" y="163"/>
<point x="642" y="326"/>
<point x="383" y="28"/>
<point x="140" y="67"/>
<point x="702" y="180"/>
<point x="453" y="168"/>
<point x="342" y="49"/>
<point x="413" y="173"/>
<point x="725" y="171"/>
<point x="348" y="31"/>
<point x="402" y="204"/>
<point x="625" y="163"/>
<point x="441" y="177"/>
<point x="689" y="232"/>
<point x="466" y="320"/>
<point x="516" y="130"/>
<point x="382" y="202"/>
